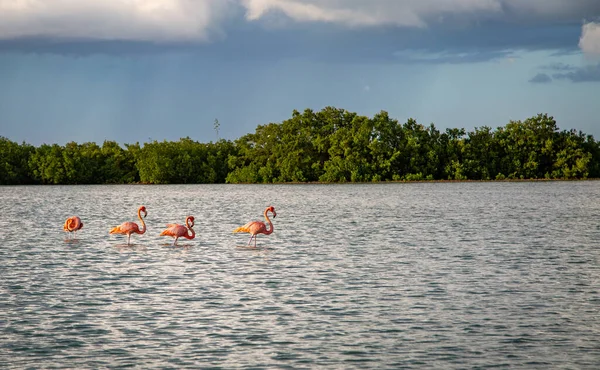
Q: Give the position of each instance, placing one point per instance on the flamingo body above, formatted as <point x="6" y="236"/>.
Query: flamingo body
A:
<point x="72" y="224"/>
<point x="128" y="227"/>
<point x="178" y="231"/>
<point x="258" y="227"/>
<point x="252" y="227"/>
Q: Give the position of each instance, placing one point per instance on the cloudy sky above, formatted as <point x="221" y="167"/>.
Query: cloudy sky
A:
<point x="140" y="70"/>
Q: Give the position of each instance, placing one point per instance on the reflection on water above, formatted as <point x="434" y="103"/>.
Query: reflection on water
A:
<point x="132" y="247"/>
<point x="459" y="275"/>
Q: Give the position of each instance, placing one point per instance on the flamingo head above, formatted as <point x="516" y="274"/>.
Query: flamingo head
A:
<point x="143" y="209"/>
<point x="190" y="221"/>
<point x="272" y="209"/>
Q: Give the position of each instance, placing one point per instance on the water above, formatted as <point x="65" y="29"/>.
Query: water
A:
<point x="445" y="275"/>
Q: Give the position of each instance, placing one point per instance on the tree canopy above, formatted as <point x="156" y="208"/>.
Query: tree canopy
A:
<point x="332" y="145"/>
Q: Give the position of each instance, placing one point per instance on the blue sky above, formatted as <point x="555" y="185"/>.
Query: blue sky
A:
<point x="143" y="70"/>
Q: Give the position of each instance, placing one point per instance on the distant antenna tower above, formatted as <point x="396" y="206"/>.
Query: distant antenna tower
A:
<point x="217" y="125"/>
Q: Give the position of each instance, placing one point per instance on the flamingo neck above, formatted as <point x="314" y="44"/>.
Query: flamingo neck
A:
<point x="143" y="230"/>
<point x="190" y="236"/>
<point x="190" y="228"/>
<point x="270" y="230"/>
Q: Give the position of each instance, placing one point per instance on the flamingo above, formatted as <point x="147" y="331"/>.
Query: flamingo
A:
<point x="177" y="231"/>
<point x="258" y="227"/>
<point x="128" y="228"/>
<point x="72" y="224"/>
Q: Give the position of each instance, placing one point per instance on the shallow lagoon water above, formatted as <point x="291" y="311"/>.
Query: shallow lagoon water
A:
<point x="420" y="275"/>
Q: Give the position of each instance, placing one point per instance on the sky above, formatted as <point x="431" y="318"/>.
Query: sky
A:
<point x="142" y="70"/>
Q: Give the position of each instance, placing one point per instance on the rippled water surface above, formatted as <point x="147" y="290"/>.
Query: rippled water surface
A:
<point x="431" y="275"/>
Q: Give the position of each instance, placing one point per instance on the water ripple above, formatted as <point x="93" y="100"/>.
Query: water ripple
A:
<point x="355" y="276"/>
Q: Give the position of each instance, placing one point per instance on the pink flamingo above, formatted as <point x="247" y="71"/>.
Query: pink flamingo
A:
<point x="177" y="231"/>
<point x="72" y="224"/>
<point x="258" y="227"/>
<point x="128" y="228"/>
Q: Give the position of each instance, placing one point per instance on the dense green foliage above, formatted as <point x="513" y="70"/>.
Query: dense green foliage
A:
<point x="332" y="145"/>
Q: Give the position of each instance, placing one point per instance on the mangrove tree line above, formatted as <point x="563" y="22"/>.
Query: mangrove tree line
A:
<point x="332" y="145"/>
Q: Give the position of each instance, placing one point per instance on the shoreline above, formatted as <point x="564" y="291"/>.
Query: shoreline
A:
<point x="331" y="183"/>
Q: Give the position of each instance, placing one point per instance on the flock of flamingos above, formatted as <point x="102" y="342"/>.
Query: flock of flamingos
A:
<point x="72" y="224"/>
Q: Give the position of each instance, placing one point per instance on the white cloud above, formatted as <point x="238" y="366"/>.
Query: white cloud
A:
<point x="155" y="20"/>
<point x="589" y="42"/>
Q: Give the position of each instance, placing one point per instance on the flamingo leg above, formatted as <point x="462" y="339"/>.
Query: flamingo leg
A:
<point x="249" y="240"/>
<point x="128" y="237"/>
<point x="175" y="241"/>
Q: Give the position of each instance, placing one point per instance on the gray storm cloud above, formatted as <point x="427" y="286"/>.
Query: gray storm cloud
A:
<point x="183" y="20"/>
<point x="421" y="13"/>
<point x="367" y="13"/>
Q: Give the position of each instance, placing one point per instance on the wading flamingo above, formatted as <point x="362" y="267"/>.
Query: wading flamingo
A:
<point x="128" y="228"/>
<point x="72" y="224"/>
<point x="258" y="227"/>
<point x="177" y="231"/>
